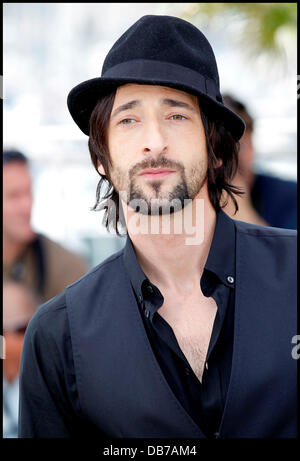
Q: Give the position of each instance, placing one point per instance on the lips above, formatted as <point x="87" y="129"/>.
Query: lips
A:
<point x="156" y="172"/>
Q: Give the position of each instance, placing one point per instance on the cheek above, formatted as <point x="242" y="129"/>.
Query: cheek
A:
<point x="119" y="151"/>
<point x="191" y="147"/>
<point x="10" y="211"/>
<point x="119" y="178"/>
<point x="119" y="169"/>
<point x="123" y="157"/>
<point x="190" y="134"/>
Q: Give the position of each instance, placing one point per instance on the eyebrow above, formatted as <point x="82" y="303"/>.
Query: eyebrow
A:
<point x="164" y="102"/>
<point x="126" y="106"/>
<point x="176" y="103"/>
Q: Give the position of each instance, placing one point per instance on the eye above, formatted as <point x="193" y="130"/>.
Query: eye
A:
<point x="127" y="121"/>
<point x="178" y="117"/>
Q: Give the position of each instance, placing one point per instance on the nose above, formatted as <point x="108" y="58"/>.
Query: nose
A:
<point x="154" y="139"/>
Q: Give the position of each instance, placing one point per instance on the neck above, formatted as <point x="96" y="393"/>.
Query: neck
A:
<point x="175" y="260"/>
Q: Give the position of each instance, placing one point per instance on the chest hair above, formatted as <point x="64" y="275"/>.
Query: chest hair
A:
<point x="192" y="322"/>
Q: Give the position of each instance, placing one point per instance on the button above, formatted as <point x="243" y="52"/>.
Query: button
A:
<point x="187" y="371"/>
<point x="150" y="289"/>
<point x="147" y="313"/>
<point x="230" y="279"/>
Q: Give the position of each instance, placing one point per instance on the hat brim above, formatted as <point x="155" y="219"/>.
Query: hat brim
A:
<point x="83" y="98"/>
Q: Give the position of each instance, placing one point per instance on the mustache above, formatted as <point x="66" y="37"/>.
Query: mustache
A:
<point x="160" y="162"/>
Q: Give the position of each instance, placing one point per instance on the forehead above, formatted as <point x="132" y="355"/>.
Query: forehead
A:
<point x="139" y="91"/>
<point x="15" y="168"/>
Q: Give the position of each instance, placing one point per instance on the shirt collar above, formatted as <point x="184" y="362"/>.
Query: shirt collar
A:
<point x="221" y="257"/>
<point x="134" y="270"/>
<point x="220" y="261"/>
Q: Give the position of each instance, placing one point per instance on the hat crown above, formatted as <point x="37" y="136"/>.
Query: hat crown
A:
<point x="166" y="39"/>
<point x="158" y="50"/>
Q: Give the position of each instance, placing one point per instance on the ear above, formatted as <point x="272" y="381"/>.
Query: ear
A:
<point x="100" y="168"/>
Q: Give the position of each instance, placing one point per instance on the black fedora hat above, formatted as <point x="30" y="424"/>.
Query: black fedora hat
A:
<point x="158" y="50"/>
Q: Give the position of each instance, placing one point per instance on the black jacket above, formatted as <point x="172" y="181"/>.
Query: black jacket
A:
<point x="122" y="390"/>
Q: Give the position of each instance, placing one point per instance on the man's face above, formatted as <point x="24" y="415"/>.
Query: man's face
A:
<point x="17" y="202"/>
<point x="157" y="145"/>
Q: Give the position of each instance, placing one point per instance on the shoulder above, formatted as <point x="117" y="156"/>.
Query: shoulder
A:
<point x="274" y="249"/>
<point x="53" y="314"/>
<point x="47" y="346"/>
<point x="109" y="268"/>
<point x="255" y="230"/>
<point x="50" y="316"/>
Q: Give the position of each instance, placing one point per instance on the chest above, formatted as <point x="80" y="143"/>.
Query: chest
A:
<point x="191" y="319"/>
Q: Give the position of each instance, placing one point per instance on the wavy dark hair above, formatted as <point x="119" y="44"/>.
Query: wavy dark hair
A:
<point x="219" y="142"/>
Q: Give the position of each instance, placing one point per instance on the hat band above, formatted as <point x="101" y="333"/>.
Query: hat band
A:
<point x="166" y="72"/>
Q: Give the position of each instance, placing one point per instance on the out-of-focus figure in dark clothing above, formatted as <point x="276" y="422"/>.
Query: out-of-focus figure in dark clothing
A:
<point x="268" y="200"/>
<point x="19" y="304"/>
<point x="43" y="264"/>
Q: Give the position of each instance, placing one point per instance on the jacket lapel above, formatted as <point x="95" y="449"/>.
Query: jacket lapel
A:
<point x="188" y="427"/>
<point x="263" y="326"/>
<point x="122" y="390"/>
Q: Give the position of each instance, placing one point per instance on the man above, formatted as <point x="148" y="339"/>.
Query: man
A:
<point x="268" y="200"/>
<point x="19" y="304"/>
<point x="44" y="265"/>
<point x="186" y="332"/>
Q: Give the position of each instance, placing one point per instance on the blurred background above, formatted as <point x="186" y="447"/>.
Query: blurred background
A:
<point x="51" y="47"/>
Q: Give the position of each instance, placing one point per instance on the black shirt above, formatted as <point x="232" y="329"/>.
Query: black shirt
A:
<point x="48" y="390"/>
<point x="205" y="400"/>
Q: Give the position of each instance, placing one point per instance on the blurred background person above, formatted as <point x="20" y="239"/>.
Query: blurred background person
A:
<point x="268" y="200"/>
<point x="43" y="264"/>
<point x="19" y="304"/>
